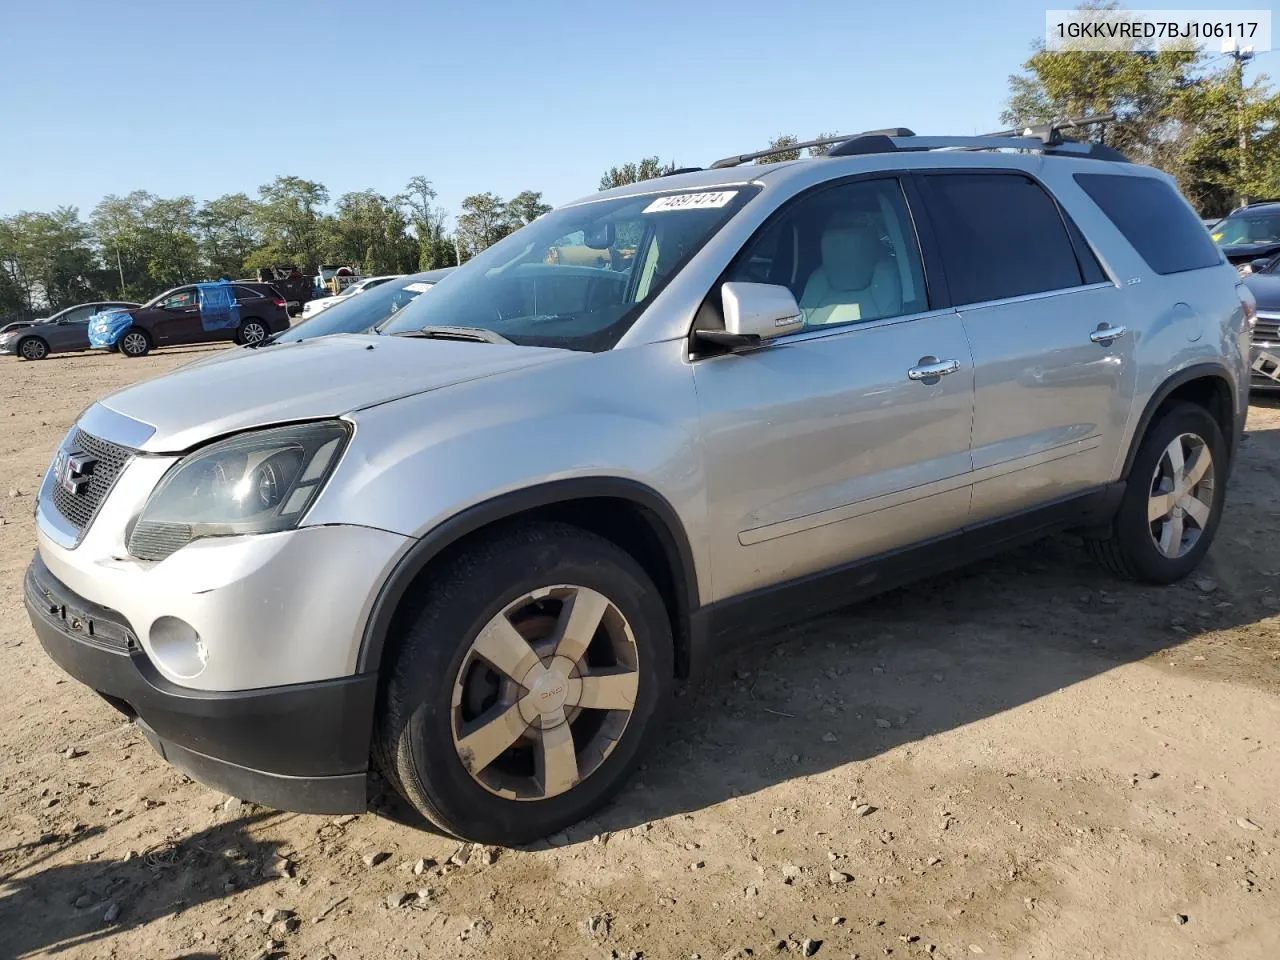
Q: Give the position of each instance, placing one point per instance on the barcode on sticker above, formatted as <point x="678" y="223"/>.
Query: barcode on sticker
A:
<point x="691" y="201"/>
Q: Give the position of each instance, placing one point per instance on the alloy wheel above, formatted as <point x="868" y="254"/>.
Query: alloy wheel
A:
<point x="545" y="692"/>
<point x="34" y="349"/>
<point x="1181" y="499"/>
<point x="134" y="343"/>
<point x="253" y="333"/>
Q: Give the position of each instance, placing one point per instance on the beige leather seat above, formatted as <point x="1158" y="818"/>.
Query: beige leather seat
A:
<point x="857" y="280"/>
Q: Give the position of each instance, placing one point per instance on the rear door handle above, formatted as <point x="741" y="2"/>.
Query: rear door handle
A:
<point x="929" y="369"/>
<point x="1105" y="334"/>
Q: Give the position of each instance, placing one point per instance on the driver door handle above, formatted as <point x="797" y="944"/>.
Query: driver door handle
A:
<point x="1105" y="334"/>
<point x="930" y="369"/>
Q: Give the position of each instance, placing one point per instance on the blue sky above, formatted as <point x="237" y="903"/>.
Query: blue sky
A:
<point x="203" y="99"/>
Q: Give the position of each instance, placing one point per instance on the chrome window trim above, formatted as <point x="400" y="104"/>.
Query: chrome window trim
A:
<point x="1041" y="295"/>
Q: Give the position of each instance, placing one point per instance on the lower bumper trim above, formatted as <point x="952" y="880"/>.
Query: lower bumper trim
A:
<point x="328" y="795"/>
<point x="303" y="747"/>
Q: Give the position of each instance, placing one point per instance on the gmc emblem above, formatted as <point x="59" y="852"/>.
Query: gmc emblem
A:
<point x="72" y="471"/>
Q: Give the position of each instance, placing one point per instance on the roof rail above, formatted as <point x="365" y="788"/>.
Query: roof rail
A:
<point x="820" y="142"/>
<point x="1042" y="138"/>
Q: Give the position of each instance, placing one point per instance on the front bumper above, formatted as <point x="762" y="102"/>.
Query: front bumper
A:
<point x="303" y="747"/>
<point x="1260" y="382"/>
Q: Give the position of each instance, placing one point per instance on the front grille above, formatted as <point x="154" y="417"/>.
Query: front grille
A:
<point x="1267" y="328"/>
<point x="109" y="459"/>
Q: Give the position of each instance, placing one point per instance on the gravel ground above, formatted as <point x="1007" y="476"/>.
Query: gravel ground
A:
<point x="1024" y="759"/>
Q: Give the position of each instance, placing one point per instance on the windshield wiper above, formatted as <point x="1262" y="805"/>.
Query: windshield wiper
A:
<point x="443" y="332"/>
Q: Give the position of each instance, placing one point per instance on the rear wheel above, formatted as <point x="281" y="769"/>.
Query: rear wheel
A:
<point x="251" y="331"/>
<point x="135" y="343"/>
<point x="33" y="348"/>
<point x="524" y="688"/>
<point x="1173" y="502"/>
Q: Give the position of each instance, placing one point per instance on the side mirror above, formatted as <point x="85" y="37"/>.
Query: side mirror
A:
<point x="754" y="313"/>
<point x="1260" y="264"/>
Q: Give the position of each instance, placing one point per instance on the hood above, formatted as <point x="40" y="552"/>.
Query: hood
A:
<point x="324" y="377"/>
<point x="1266" y="290"/>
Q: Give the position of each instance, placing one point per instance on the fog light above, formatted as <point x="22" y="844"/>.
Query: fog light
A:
<point x="178" y="647"/>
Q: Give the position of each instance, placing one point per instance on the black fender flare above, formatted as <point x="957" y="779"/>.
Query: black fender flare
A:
<point x="657" y="511"/>
<point x="1198" y="371"/>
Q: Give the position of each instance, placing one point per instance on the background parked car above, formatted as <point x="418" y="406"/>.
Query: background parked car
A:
<point x="316" y="305"/>
<point x="369" y="310"/>
<point x="64" y="331"/>
<point x="175" y="317"/>
<point x="1250" y="232"/>
<point x="1264" y="282"/>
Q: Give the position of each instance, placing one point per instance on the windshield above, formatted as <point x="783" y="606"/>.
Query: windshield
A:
<point x="1258" y="228"/>
<point x="357" y="314"/>
<point x="578" y="277"/>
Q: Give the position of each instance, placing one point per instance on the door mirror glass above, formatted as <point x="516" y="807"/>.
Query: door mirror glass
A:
<point x="759" y="310"/>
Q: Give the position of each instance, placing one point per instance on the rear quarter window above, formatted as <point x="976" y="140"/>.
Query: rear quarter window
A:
<point x="1154" y="219"/>
<point x="248" y="293"/>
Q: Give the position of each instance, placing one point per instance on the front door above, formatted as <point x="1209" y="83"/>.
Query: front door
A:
<point x="831" y="445"/>
<point x="1052" y="387"/>
<point x="176" y="318"/>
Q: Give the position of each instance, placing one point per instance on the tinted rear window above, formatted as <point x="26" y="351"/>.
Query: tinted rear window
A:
<point x="1001" y="236"/>
<point x="1152" y="217"/>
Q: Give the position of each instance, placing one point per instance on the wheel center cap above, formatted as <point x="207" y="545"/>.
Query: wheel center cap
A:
<point x="548" y="690"/>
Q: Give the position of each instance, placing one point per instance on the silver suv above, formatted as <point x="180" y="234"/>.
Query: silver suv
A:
<point x="476" y="551"/>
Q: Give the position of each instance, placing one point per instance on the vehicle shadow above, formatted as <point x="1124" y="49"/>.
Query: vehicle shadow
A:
<point x="942" y="654"/>
<point x="67" y="905"/>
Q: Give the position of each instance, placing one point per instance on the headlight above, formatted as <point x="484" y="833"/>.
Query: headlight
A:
<point x="257" y="482"/>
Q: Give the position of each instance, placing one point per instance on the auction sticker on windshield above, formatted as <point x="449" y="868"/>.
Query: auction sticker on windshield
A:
<point x="691" y="201"/>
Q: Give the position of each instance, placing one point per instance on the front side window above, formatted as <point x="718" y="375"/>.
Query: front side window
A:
<point x="76" y="315"/>
<point x="578" y="277"/>
<point x="848" y="253"/>
<point x="1001" y="235"/>
<point x="178" y="300"/>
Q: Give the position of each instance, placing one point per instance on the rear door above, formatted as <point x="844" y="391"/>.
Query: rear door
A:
<point x="175" y="319"/>
<point x="826" y="446"/>
<point x="1052" y="351"/>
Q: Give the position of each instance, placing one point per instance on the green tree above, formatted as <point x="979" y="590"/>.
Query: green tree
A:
<point x="50" y="258"/>
<point x="290" y="218"/>
<point x="780" y="143"/>
<point x="483" y="222"/>
<point x="628" y="173"/>
<point x="1175" y="110"/>
<point x="435" y="247"/>
<point x="371" y="230"/>
<point x="526" y="207"/>
<point x="228" y="233"/>
<point x="822" y="149"/>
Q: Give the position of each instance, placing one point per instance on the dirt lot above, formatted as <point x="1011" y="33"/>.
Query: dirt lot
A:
<point x="1025" y="759"/>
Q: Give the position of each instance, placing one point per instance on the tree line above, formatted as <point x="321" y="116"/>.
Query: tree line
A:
<point x="136" y="246"/>
<point x="1188" y="113"/>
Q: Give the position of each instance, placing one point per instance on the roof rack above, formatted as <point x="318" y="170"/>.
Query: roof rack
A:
<point x="1043" y="138"/>
<point x="820" y="142"/>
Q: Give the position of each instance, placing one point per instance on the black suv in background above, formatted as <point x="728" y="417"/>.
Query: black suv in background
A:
<point x="174" y="318"/>
<point x="1250" y="233"/>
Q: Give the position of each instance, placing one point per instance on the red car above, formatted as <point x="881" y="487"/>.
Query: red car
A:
<point x="175" y="317"/>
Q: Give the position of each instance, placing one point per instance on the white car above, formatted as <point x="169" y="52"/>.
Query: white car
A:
<point x="312" y="307"/>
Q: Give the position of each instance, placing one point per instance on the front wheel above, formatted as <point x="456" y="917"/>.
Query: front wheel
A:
<point x="135" y="343"/>
<point x="1173" y="500"/>
<point x="33" y="348"/>
<point x="524" y="688"/>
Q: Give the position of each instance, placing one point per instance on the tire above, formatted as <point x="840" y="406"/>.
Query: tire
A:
<point x="33" y="348"/>
<point x="1141" y="547"/>
<point x="252" y="331"/>
<point x="424" y="731"/>
<point x="136" y="342"/>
